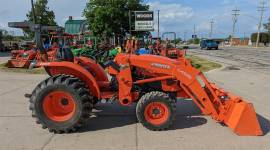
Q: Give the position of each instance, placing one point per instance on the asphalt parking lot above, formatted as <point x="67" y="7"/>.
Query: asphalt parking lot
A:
<point x="116" y="127"/>
<point x="248" y="58"/>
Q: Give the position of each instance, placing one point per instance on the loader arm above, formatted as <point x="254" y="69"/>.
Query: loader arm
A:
<point x="222" y="106"/>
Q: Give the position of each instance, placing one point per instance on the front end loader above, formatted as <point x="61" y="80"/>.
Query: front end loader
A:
<point x="63" y="102"/>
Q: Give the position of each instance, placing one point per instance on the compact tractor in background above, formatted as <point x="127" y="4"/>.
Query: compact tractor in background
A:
<point x="38" y="52"/>
<point x="155" y="46"/>
<point x="92" y="46"/>
<point x="63" y="102"/>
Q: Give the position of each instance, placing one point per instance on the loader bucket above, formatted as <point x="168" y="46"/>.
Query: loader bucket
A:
<point x="242" y="119"/>
<point x="18" y="63"/>
<point x="224" y="107"/>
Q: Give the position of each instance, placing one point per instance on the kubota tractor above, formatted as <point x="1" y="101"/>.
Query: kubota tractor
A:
<point x="135" y="46"/>
<point x="63" y="102"/>
<point x="23" y="58"/>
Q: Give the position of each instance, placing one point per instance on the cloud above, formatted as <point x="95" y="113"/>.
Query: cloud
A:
<point x="172" y="12"/>
<point x="4" y="12"/>
<point x="204" y="26"/>
<point x="171" y="15"/>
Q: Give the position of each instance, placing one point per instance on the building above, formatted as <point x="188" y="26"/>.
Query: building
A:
<point x="240" y="41"/>
<point x="76" y="27"/>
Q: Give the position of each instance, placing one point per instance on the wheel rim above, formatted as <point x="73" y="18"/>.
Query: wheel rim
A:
<point x="59" y="106"/>
<point x="156" y="113"/>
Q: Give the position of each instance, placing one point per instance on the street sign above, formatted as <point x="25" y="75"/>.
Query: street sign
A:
<point x="144" y="21"/>
<point x="194" y="36"/>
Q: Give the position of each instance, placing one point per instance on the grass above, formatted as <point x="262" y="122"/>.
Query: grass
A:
<point x="202" y="64"/>
<point x="21" y="70"/>
<point x="199" y="63"/>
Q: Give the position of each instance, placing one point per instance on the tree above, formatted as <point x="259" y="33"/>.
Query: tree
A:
<point x="196" y="41"/>
<point x="267" y="26"/>
<point x="177" y="41"/>
<point x="111" y="17"/>
<point x="44" y="16"/>
<point x="264" y="38"/>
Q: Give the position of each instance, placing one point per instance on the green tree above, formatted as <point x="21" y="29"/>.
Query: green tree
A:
<point x="177" y="41"/>
<point x="267" y="26"/>
<point x="196" y="41"/>
<point x="264" y="38"/>
<point x="44" y="15"/>
<point x="108" y="17"/>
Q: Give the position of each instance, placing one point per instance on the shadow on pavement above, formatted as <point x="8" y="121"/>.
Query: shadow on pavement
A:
<point x="188" y="115"/>
<point x="265" y="124"/>
<point x="114" y="115"/>
<point x="183" y="122"/>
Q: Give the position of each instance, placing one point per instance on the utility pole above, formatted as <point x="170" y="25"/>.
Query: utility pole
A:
<point x="194" y="33"/>
<point x="158" y="22"/>
<point x="33" y="11"/>
<point x="185" y="35"/>
<point x="261" y="10"/>
<point x="211" y="28"/>
<point x="129" y="15"/>
<point x="235" y="15"/>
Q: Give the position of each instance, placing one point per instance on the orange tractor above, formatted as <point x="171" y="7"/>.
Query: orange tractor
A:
<point x="155" y="47"/>
<point x="37" y="53"/>
<point x="63" y="102"/>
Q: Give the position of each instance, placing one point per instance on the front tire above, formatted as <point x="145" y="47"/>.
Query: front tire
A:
<point x="156" y="111"/>
<point x="61" y="103"/>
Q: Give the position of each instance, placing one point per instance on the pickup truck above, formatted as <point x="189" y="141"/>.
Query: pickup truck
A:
<point x="209" y="44"/>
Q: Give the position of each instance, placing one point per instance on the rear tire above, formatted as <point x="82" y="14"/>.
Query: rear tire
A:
<point x="156" y="111"/>
<point x="61" y="103"/>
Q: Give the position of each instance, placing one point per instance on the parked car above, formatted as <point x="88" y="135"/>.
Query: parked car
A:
<point x="208" y="44"/>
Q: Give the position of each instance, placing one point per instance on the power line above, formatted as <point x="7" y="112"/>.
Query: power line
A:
<point x="261" y="9"/>
<point x="235" y="14"/>
<point x="211" y="28"/>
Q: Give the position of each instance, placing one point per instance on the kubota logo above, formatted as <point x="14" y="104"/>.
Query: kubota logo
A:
<point x="160" y="66"/>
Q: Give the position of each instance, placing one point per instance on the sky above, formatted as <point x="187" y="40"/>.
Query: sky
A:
<point x="179" y="16"/>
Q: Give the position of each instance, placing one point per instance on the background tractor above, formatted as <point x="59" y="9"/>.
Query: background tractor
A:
<point x="64" y="101"/>
<point x="38" y="52"/>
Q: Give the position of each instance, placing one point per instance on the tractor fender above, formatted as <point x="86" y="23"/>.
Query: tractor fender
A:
<point x="95" y="68"/>
<point x="69" y="68"/>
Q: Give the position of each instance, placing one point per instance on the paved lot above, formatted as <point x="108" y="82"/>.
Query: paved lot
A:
<point x="249" y="58"/>
<point x="116" y="128"/>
